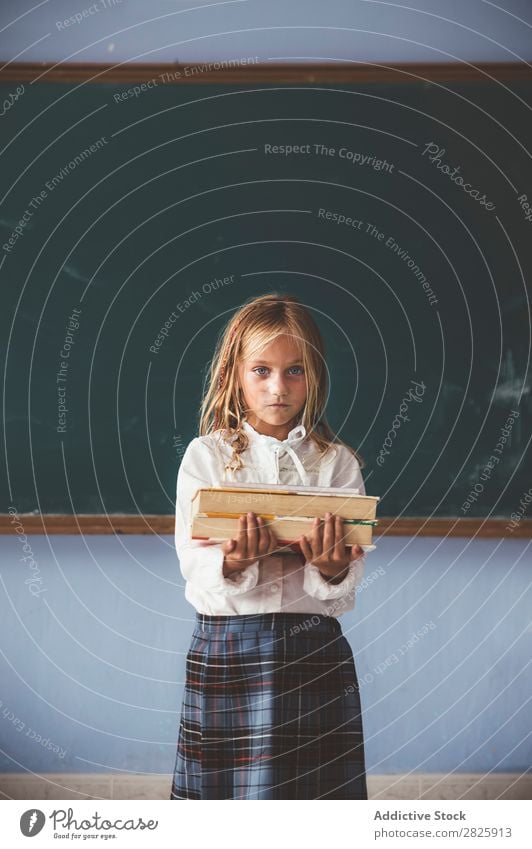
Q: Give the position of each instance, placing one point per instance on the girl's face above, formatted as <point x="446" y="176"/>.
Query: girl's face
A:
<point x="275" y="376"/>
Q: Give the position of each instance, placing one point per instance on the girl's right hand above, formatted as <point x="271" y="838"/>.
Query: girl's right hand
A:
<point x="254" y="540"/>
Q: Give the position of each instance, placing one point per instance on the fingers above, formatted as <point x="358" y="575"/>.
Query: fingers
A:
<point x="326" y="539"/>
<point x="264" y="546"/>
<point x="242" y="537"/>
<point x="329" y="535"/>
<point x="273" y="542"/>
<point x="311" y="543"/>
<point x="339" y="546"/>
<point x="253" y="535"/>
<point x="228" y="545"/>
<point x="258" y="537"/>
<point x="306" y="550"/>
<point x="316" y="538"/>
<point x="255" y="538"/>
<point x="267" y="541"/>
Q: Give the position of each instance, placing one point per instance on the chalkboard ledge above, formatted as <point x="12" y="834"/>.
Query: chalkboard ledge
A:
<point x="30" y="523"/>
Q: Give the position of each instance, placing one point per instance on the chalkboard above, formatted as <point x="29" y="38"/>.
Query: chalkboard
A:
<point x="396" y="211"/>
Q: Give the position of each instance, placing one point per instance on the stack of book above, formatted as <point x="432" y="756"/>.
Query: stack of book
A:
<point x="287" y="509"/>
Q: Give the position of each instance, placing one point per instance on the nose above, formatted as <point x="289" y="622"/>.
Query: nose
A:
<point x="278" y="385"/>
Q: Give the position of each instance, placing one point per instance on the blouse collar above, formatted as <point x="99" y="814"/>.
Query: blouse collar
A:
<point x="295" y="436"/>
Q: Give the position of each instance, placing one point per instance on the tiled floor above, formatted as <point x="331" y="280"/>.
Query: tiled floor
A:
<point x="418" y="786"/>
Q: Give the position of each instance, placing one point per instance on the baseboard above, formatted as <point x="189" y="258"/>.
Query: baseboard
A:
<point x="432" y="785"/>
<point x="500" y="785"/>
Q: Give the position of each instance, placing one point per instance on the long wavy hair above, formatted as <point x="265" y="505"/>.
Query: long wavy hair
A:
<point x="254" y="326"/>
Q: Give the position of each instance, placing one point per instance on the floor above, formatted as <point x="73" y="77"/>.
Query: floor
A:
<point x="414" y="786"/>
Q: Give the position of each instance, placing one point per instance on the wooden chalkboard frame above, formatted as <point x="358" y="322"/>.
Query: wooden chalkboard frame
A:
<point x="180" y="74"/>
<point x="203" y="74"/>
<point x="154" y="524"/>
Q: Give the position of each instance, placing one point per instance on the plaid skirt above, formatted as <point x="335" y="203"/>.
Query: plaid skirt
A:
<point x="271" y="710"/>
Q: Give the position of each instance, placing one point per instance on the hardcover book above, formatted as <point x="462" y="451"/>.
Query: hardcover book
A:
<point x="289" y="509"/>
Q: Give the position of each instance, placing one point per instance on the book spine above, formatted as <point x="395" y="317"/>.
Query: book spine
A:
<point x="270" y="517"/>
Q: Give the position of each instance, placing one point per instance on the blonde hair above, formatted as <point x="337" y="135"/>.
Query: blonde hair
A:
<point x="254" y="326"/>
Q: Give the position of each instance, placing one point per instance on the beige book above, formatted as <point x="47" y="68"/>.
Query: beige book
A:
<point x="289" y="509"/>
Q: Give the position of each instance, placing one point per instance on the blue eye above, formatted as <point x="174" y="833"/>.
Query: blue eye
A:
<point x="265" y="368"/>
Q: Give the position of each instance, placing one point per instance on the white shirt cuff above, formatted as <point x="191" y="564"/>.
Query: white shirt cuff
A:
<point x="315" y="585"/>
<point x="208" y="574"/>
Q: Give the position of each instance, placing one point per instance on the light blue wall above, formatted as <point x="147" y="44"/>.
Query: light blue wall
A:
<point x="189" y="31"/>
<point x="95" y="661"/>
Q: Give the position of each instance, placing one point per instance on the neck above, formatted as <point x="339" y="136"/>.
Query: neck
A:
<point x="278" y="431"/>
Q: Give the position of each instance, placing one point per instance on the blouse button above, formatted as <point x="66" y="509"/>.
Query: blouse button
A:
<point x="274" y="588"/>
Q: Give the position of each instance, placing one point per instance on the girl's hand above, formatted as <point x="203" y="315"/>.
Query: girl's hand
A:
<point x="326" y="548"/>
<point x="254" y="540"/>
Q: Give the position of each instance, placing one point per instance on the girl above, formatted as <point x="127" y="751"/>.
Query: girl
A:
<point x="271" y="706"/>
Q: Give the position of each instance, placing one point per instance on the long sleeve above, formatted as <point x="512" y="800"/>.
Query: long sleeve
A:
<point x="201" y="561"/>
<point x="346" y="473"/>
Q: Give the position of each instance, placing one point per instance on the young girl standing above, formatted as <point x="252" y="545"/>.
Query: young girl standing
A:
<point x="271" y="706"/>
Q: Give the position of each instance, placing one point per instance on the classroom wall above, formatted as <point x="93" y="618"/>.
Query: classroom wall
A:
<point x="188" y="31"/>
<point x="93" y="643"/>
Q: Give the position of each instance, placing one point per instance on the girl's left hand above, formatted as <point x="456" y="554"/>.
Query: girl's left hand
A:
<point x="327" y="549"/>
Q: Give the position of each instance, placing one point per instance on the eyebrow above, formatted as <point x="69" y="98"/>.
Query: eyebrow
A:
<point x="267" y="363"/>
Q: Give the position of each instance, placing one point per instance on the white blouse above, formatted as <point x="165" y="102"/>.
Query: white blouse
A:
<point x="280" y="582"/>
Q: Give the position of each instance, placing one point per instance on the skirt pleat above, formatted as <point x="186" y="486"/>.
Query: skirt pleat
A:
<point x="271" y="710"/>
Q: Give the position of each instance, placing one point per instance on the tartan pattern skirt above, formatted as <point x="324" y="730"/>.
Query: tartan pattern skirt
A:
<point x="271" y="710"/>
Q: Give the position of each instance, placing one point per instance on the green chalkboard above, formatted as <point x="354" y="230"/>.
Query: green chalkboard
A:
<point x="396" y="212"/>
